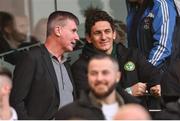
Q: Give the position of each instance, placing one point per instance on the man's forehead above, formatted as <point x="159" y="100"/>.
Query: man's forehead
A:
<point x="102" y="23"/>
<point x="102" y="63"/>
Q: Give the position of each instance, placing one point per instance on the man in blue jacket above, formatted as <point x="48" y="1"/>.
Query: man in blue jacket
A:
<point x="150" y="28"/>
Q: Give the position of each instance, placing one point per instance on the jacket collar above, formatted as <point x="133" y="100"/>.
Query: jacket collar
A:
<point x="89" y="50"/>
<point x="87" y="99"/>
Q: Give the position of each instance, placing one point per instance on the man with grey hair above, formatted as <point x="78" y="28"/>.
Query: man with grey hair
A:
<point x="42" y="81"/>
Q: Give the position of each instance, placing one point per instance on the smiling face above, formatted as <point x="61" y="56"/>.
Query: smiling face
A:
<point x="103" y="76"/>
<point x="102" y="36"/>
<point x="68" y="35"/>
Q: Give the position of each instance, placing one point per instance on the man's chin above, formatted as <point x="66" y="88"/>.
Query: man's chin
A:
<point x="70" y="49"/>
<point x="100" y="95"/>
<point x="105" y="50"/>
<point x="103" y="93"/>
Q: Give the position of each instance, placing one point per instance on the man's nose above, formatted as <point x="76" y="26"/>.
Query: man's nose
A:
<point x="99" y="77"/>
<point x="76" y="37"/>
<point x="103" y="36"/>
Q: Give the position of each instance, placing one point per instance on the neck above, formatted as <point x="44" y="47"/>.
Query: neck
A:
<point x="54" y="48"/>
<point x="108" y="52"/>
<point x="110" y="99"/>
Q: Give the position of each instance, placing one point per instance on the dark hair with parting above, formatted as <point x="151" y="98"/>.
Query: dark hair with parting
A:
<point x="95" y="16"/>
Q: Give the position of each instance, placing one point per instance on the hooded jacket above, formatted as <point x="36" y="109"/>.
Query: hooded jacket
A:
<point x="133" y="66"/>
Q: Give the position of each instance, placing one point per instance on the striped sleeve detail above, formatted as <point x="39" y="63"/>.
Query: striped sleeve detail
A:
<point x="164" y="33"/>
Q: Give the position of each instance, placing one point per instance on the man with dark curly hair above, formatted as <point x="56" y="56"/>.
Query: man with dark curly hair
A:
<point x="138" y="75"/>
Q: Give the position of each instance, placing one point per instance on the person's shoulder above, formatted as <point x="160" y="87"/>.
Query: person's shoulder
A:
<point x="77" y="63"/>
<point x="128" y="52"/>
<point x="32" y="53"/>
<point x="159" y="2"/>
<point x="66" y="111"/>
<point x="121" y="49"/>
<point x="35" y="48"/>
<point x="81" y="61"/>
<point x="68" y="107"/>
<point x="162" y="3"/>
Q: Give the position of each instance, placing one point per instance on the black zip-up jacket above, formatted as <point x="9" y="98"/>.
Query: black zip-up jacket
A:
<point x="87" y="108"/>
<point x="142" y="71"/>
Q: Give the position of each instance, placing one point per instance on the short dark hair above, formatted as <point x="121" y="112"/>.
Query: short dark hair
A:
<point x="5" y="72"/>
<point x="95" y="16"/>
<point x="61" y="17"/>
<point x="105" y="56"/>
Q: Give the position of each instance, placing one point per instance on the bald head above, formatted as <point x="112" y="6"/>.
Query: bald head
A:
<point x="132" y="112"/>
<point x="5" y="77"/>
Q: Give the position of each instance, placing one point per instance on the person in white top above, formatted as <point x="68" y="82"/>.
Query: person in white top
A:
<point x="102" y="100"/>
<point x="6" y="111"/>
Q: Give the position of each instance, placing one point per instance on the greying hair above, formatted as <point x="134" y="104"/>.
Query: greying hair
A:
<point x="59" y="17"/>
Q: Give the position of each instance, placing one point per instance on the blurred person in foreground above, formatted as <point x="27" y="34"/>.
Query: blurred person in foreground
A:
<point x="102" y="101"/>
<point x="132" y="112"/>
<point x="6" y="111"/>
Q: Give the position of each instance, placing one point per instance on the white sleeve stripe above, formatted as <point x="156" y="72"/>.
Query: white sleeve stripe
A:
<point x="164" y="30"/>
<point x="160" y="50"/>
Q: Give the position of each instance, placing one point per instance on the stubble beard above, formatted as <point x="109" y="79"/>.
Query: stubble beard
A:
<point x="105" y="94"/>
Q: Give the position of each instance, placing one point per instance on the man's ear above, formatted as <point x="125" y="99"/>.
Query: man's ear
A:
<point x="88" y="39"/>
<point x="58" y="30"/>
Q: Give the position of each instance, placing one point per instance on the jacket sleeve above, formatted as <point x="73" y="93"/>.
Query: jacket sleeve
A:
<point x="147" y="72"/>
<point x="22" y="80"/>
<point x="163" y="27"/>
<point x="79" y="72"/>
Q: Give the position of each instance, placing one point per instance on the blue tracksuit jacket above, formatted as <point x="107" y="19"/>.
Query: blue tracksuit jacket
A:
<point x="154" y="30"/>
